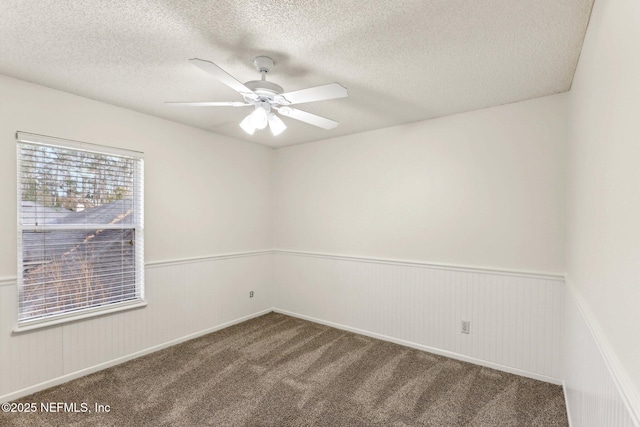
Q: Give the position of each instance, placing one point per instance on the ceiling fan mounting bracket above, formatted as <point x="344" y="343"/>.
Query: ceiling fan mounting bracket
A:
<point x="263" y="64"/>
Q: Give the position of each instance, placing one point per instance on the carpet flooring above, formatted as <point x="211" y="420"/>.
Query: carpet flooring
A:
<point x="277" y="370"/>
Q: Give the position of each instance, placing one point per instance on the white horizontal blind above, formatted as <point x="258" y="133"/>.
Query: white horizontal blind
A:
<point x="80" y="228"/>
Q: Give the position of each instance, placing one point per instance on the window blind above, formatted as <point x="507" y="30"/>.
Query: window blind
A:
<point x="80" y="228"/>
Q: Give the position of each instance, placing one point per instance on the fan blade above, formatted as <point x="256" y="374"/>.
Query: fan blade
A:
<point x="223" y="76"/>
<point x="208" y="104"/>
<point x="313" y="94"/>
<point x="312" y="119"/>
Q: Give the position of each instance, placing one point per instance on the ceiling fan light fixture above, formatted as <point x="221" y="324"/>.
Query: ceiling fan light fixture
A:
<point x="276" y="124"/>
<point x="259" y="117"/>
<point x="247" y="124"/>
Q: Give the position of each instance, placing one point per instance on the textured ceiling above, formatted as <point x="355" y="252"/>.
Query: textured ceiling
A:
<point x="401" y="61"/>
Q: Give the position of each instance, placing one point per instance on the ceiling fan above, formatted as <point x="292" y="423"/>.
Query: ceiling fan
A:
<point x="267" y="98"/>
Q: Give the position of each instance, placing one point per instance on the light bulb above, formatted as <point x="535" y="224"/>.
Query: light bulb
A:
<point x="259" y="118"/>
<point x="247" y="124"/>
<point x="276" y="125"/>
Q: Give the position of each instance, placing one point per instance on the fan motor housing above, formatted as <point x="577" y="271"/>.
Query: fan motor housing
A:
<point x="264" y="88"/>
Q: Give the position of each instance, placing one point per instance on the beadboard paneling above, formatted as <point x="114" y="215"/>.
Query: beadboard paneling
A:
<point x="515" y="318"/>
<point x="26" y="359"/>
<point x="594" y="393"/>
<point x="184" y="299"/>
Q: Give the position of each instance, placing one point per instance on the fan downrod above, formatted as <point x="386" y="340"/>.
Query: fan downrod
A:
<point x="264" y="89"/>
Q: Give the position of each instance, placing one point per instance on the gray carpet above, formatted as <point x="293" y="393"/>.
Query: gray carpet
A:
<point x="277" y="370"/>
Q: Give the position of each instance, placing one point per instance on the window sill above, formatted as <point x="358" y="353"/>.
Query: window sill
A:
<point x="74" y="317"/>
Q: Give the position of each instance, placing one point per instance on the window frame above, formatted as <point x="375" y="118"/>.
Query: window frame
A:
<point x="137" y="227"/>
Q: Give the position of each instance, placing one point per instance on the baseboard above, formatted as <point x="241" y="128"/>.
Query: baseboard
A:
<point x="83" y="372"/>
<point x="426" y="348"/>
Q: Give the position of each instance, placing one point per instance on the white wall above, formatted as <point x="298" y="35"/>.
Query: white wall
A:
<point x="603" y="252"/>
<point x="484" y="188"/>
<point x="205" y="195"/>
<point x="480" y="189"/>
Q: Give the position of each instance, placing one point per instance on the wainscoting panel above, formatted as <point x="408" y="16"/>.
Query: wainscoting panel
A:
<point x="184" y="299"/>
<point x="594" y="384"/>
<point x="26" y="359"/>
<point x="515" y="317"/>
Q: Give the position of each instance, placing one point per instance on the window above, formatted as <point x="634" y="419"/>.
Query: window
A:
<point x="80" y="230"/>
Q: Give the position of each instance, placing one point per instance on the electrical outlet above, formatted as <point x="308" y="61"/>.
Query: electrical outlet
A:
<point x="466" y="325"/>
<point x="250" y="294"/>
